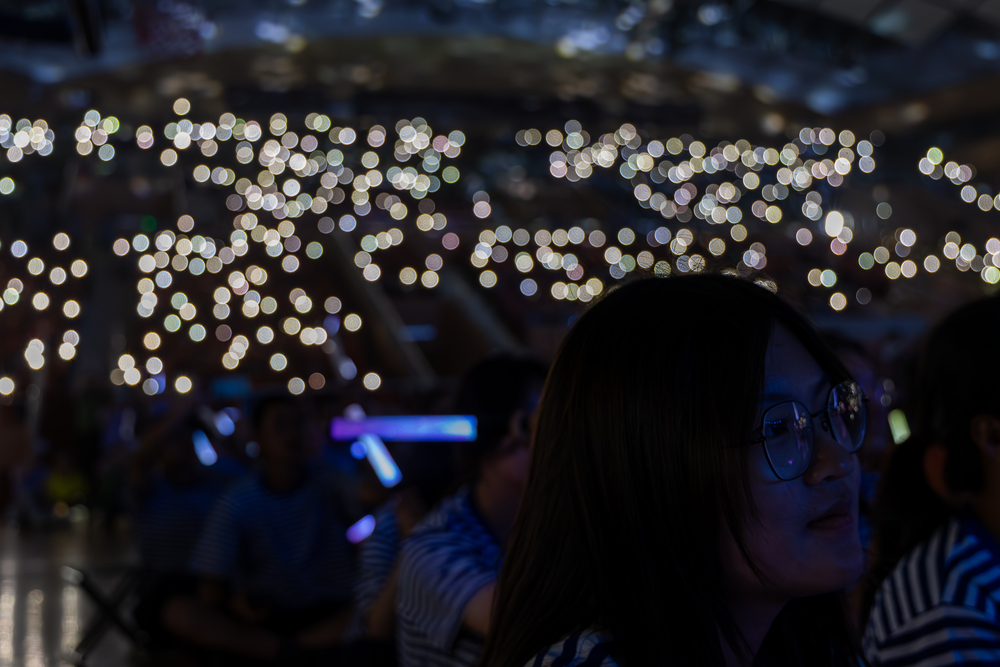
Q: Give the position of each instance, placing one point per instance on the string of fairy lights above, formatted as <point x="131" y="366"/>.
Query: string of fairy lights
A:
<point x="342" y="176"/>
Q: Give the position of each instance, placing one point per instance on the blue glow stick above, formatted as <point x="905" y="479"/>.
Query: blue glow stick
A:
<point x="203" y="448"/>
<point x="380" y="459"/>
<point x="361" y="530"/>
<point x="444" y="428"/>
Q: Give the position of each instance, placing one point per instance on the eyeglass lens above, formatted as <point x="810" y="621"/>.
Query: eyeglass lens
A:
<point x="789" y="430"/>
<point x="788" y="436"/>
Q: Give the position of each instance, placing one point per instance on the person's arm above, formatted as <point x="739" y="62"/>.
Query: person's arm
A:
<point x="204" y="624"/>
<point x="380" y="620"/>
<point x="945" y="634"/>
<point x="479" y="610"/>
<point x="328" y="632"/>
<point x="440" y="579"/>
<point x="380" y="563"/>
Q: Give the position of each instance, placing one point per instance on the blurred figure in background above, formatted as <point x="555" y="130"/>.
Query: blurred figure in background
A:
<point x="449" y="564"/>
<point x="174" y="492"/>
<point x="275" y="565"/>
<point x="936" y="579"/>
<point x="427" y="478"/>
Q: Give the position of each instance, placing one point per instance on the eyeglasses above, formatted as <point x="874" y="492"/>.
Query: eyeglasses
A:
<point x="788" y="435"/>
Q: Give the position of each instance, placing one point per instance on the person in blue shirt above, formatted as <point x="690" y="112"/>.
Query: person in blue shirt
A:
<point x="692" y="496"/>
<point x="275" y="565"/>
<point x="448" y="566"/>
<point x="427" y="478"/>
<point x="936" y="582"/>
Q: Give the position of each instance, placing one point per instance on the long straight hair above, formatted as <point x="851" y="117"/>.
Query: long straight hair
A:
<point x="638" y="466"/>
<point x="953" y="386"/>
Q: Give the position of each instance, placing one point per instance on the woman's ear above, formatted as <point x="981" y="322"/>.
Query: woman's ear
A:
<point x="985" y="432"/>
<point x="935" y="460"/>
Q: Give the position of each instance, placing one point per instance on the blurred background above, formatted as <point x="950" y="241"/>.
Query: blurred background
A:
<point x="354" y="201"/>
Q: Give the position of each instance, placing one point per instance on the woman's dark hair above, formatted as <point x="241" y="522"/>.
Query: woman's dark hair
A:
<point x="492" y="391"/>
<point x="639" y="466"/>
<point x="953" y="386"/>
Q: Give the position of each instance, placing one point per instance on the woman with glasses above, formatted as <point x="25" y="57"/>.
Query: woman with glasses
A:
<point x="693" y="489"/>
<point x="937" y="515"/>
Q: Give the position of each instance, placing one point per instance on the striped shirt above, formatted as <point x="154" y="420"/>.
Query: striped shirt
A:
<point x="286" y="551"/>
<point x="940" y="605"/>
<point x="376" y="558"/>
<point x="590" y="648"/>
<point x="450" y="556"/>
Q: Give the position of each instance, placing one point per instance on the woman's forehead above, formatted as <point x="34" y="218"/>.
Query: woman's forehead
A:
<point x="790" y="369"/>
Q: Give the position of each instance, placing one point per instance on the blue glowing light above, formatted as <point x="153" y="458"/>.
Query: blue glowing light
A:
<point x="224" y="424"/>
<point x="358" y="450"/>
<point x="361" y="530"/>
<point x="380" y="459"/>
<point x="446" y="428"/>
<point x="203" y="448"/>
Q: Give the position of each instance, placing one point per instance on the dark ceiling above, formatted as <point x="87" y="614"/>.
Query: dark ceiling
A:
<point x="922" y="73"/>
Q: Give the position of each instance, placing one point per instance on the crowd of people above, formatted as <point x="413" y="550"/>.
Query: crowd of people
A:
<point x="700" y="478"/>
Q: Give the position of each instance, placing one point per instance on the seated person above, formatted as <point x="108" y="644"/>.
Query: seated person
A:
<point x="937" y="571"/>
<point x="427" y="478"/>
<point x="693" y="489"/>
<point x="173" y="494"/>
<point x="274" y="559"/>
<point x="449" y="564"/>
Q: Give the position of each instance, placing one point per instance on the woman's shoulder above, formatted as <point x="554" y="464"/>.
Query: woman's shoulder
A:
<point x="592" y="647"/>
<point x="940" y="595"/>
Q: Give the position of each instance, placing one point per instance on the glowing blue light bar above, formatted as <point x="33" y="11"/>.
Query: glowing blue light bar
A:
<point x="361" y="530"/>
<point x="203" y="448"/>
<point x="445" y="428"/>
<point x="380" y="459"/>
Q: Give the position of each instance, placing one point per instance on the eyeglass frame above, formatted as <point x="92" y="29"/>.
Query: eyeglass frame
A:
<point x="825" y="423"/>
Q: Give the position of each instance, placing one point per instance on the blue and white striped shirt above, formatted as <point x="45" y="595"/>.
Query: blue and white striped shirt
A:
<point x="376" y="558"/>
<point x="591" y="648"/>
<point x="450" y="556"/>
<point x="940" y="605"/>
<point x="287" y="551"/>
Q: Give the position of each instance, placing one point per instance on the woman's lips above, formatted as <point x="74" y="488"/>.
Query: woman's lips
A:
<point x="838" y="521"/>
<point x="836" y="516"/>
